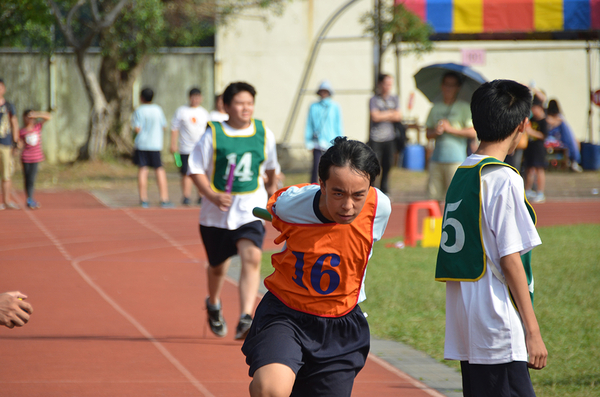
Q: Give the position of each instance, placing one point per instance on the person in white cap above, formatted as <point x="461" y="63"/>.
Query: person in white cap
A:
<point x="323" y="125"/>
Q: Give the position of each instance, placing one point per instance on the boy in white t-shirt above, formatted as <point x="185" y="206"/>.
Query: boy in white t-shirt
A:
<point x="188" y="124"/>
<point x="247" y="148"/>
<point x="484" y="256"/>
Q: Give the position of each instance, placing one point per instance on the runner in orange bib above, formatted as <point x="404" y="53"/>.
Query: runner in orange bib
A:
<point x="309" y="336"/>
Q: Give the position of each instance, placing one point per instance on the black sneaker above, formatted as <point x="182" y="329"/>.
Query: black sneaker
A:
<point x="241" y="331"/>
<point x="215" y="319"/>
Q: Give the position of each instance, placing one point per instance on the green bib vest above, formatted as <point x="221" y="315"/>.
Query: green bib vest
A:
<point x="247" y="152"/>
<point x="462" y="256"/>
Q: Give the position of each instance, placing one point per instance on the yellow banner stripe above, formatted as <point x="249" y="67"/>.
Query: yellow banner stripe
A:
<point x="467" y="16"/>
<point x="548" y="15"/>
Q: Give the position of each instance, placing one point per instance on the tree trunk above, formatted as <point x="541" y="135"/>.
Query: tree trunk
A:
<point x="101" y="113"/>
<point x="117" y="86"/>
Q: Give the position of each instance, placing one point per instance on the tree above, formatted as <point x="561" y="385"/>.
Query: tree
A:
<point x="26" y="23"/>
<point x="126" y="31"/>
<point x="102" y="113"/>
<point x="392" y="23"/>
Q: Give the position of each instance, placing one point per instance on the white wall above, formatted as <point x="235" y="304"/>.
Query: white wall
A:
<point x="272" y="57"/>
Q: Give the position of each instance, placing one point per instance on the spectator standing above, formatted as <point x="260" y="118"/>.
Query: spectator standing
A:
<point x="323" y="125"/>
<point x="247" y="148"/>
<point x="534" y="156"/>
<point x="561" y="130"/>
<point x="187" y="125"/>
<point x="449" y="124"/>
<point x="384" y="111"/>
<point x="149" y="124"/>
<point x="9" y="138"/>
<point x="31" y="140"/>
<point x="219" y="114"/>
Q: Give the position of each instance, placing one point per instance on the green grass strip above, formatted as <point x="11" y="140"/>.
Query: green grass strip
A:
<point x="405" y="304"/>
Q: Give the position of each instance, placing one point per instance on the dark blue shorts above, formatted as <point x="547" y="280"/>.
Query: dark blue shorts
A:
<point x="497" y="380"/>
<point x="325" y="353"/>
<point x="220" y="244"/>
<point x="184" y="164"/>
<point x="147" y="158"/>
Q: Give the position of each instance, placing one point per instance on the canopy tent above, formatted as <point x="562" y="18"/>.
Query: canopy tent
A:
<point x="507" y="16"/>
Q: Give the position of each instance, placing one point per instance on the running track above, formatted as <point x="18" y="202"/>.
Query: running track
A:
<point x="119" y="295"/>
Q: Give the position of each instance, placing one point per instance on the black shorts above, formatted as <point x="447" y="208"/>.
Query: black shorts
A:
<point x="498" y="380"/>
<point x="325" y="353"/>
<point x="220" y="244"/>
<point x="534" y="155"/>
<point x="184" y="164"/>
<point x="147" y="158"/>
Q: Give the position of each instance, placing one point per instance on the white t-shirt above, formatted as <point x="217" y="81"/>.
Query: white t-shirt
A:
<point x="191" y="123"/>
<point x="482" y="325"/>
<point x="218" y="116"/>
<point x="240" y="212"/>
<point x="149" y="117"/>
<point x="296" y="205"/>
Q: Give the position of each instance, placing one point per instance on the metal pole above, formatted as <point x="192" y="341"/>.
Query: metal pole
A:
<point x="589" y="69"/>
<point x="398" y="84"/>
<point x="309" y="67"/>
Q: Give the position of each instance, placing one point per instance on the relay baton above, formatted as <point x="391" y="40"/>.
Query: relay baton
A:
<point x="262" y="214"/>
<point x="177" y="158"/>
<point x="229" y="185"/>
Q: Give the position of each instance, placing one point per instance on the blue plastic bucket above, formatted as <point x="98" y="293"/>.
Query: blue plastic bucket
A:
<point x="414" y="158"/>
<point x="590" y="156"/>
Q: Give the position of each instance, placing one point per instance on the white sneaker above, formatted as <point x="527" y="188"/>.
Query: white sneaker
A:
<point x="530" y="194"/>
<point x="576" y="167"/>
<point x="540" y="198"/>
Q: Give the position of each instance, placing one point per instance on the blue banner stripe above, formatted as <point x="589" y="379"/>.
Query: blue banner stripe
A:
<point x="439" y="15"/>
<point x="576" y="14"/>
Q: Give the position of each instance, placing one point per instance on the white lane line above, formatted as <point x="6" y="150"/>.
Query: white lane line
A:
<point x="162" y="234"/>
<point x="174" y="243"/>
<point x="75" y="264"/>
<point x="409" y="379"/>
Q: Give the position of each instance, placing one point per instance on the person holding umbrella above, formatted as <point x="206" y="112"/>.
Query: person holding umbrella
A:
<point x="449" y="122"/>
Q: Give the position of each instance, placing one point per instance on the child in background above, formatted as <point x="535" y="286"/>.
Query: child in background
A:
<point x="484" y="256"/>
<point x="534" y="156"/>
<point x="32" y="155"/>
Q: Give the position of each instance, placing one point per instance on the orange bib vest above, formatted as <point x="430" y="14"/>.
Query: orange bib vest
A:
<point x="321" y="270"/>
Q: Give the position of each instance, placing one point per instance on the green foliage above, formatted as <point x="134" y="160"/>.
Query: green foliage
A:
<point x="142" y="26"/>
<point x="396" y="24"/>
<point x="26" y="23"/>
<point x="140" y="29"/>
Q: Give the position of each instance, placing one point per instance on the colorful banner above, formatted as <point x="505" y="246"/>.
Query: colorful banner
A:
<point x="507" y="16"/>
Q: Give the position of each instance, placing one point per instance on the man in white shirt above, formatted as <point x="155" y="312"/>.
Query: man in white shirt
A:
<point x="245" y="147"/>
<point x="188" y="124"/>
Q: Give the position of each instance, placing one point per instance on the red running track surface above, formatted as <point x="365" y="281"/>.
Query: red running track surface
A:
<point x="118" y="297"/>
